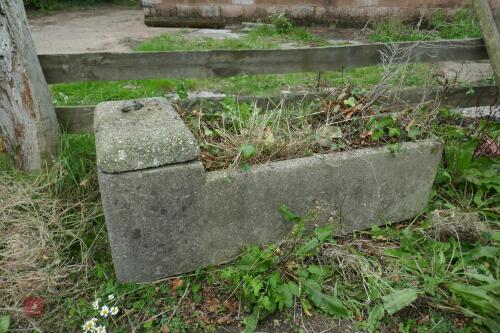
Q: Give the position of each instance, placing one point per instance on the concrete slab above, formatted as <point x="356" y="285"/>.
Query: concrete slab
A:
<point x="468" y="71"/>
<point x="486" y="112"/>
<point x="214" y="34"/>
<point x="135" y="135"/>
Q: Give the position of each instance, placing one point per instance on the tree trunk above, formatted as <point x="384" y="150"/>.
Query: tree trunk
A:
<point x="491" y="35"/>
<point x="28" y="125"/>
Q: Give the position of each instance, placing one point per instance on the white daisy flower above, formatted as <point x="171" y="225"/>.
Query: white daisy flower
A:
<point x="104" y="311"/>
<point x="111" y="297"/>
<point x="100" y="329"/>
<point x="89" y="326"/>
<point x="95" y="304"/>
<point x="114" y="310"/>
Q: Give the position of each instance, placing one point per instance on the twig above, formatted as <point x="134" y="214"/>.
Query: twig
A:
<point x="178" y="304"/>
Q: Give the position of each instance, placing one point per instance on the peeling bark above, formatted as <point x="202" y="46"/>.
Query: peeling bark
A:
<point x="28" y="124"/>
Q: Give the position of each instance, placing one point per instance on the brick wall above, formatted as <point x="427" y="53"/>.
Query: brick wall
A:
<point x="349" y="12"/>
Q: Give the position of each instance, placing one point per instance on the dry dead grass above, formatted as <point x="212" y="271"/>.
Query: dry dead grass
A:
<point x="344" y="120"/>
<point x="463" y="226"/>
<point x="40" y="242"/>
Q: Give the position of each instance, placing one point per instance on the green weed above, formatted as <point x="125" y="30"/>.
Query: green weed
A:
<point x="281" y="23"/>
<point x="467" y="179"/>
<point x="262" y="37"/>
<point x="462" y="24"/>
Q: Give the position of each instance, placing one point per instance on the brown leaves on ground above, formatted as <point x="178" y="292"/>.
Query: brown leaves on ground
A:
<point x="213" y="309"/>
<point x="176" y="284"/>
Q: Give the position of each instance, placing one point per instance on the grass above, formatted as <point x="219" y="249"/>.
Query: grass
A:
<point x="436" y="273"/>
<point x="462" y="25"/>
<point x="263" y="37"/>
<point x="91" y="93"/>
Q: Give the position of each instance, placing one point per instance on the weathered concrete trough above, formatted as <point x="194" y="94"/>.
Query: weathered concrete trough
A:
<point x="165" y="215"/>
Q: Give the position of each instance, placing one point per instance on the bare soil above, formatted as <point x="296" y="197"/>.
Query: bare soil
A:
<point x="93" y="29"/>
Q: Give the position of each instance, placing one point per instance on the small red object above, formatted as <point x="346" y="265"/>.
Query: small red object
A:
<point x="33" y="307"/>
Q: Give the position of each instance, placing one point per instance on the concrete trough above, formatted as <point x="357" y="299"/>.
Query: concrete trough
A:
<point x="166" y="215"/>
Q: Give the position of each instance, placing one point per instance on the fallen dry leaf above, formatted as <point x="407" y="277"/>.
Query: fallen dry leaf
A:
<point x="213" y="305"/>
<point x="342" y="96"/>
<point x="349" y="114"/>
<point x="365" y="134"/>
<point x="226" y="319"/>
<point x="410" y="124"/>
<point x="307" y="312"/>
<point x="232" y="306"/>
<point x="176" y="284"/>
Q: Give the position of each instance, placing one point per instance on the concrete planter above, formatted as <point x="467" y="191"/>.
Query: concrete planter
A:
<point x="165" y="215"/>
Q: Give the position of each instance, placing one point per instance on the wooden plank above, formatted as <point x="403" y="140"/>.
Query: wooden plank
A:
<point x="28" y="123"/>
<point x="205" y="64"/>
<point x="76" y="119"/>
<point x="491" y="35"/>
<point x="79" y="119"/>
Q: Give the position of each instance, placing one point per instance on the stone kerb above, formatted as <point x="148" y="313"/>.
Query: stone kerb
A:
<point x="167" y="216"/>
<point x="217" y="13"/>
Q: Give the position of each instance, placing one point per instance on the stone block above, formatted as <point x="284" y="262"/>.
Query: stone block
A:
<point x="187" y="11"/>
<point x="209" y="11"/>
<point x="301" y="11"/>
<point x="149" y="137"/>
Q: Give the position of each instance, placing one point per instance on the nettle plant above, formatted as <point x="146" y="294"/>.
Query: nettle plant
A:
<point x="268" y="280"/>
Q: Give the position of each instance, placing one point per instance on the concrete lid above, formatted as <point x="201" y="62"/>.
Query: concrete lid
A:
<point x="147" y="136"/>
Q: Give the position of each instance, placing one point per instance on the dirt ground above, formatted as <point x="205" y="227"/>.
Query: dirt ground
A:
<point x="120" y="28"/>
<point x="99" y="29"/>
